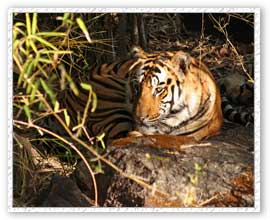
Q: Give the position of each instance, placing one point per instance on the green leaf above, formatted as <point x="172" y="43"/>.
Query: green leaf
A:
<point x="32" y="44"/>
<point x="48" y="90"/>
<point x="56" y="52"/>
<point x="19" y="24"/>
<point x="17" y="30"/>
<point x="94" y="102"/>
<point x="44" y="60"/>
<point x="27" y="68"/>
<point x="30" y="67"/>
<point x="74" y="88"/>
<point x="36" y="60"/>
<point x="84" y="29"/>
<point x="65" y="17"/>
<point x="86" y="86"/>
<point x="41" y="106"/>
<point x="64" y="74"/>
<point x="56" y="106"/>
<point x="28" y="23"/>
<point x="100" y="139"/>
<point x="44" y="42"/>
<point x="67" y="118"/>
<point x="98" y="168"/>
<point x="16" y="43"/>
<point x="33" y="92"/>
<point x="34" y="23"/>
<point x="28" y="88"/>
<point x="27" y="111"/>
<point x="51" y="34"/>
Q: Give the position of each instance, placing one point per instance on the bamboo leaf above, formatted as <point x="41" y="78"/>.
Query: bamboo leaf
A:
<point x="65" y="17"/>
<point x="41" y="106"/>
<point x="86" y="86"/>
<point x="28" y="88"/>
<point x="72" y="85"/>
<point x="48" y="90"/>
<point x="14" y="37"/>
<point x="44" y="60"/>
<point x="84" y="29"/>
<point x="32" y="44"/>
<point x="34" y="23"/>
<point x="56" y="106"/>
<point x="67" y="118"/>
<point x="94" y="102"/>
<point x="36" y="60"/>
<point x="44" y="42"/>
<point x="23" y="50"/>
<point x="30" y="67"/>
<point x="26" y="69"/>
<point x="56" y="52"/>
<point x="27" y="111"/>
<point x="100" y="139"/>
<point x="51" y="34"/>
<point x="98" y="168"/>
<point x="19" y="31"/>
<point x="33" y="92"/>
<point x="28" y="23"/>
<point x="19" y="24"/>
<point x="15" y="45"/>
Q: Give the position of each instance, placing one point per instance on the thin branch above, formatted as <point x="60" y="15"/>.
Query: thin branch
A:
<point x="223" y="30"/>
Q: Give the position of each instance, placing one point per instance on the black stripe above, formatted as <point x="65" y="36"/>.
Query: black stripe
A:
<point x="118" y="65"/>
<point x="101" y="114"/>
<point x="159" y="63"/>
<point x="149" y="61"/>
<point x="172" y="100"/>
<point x="108" y="82"/>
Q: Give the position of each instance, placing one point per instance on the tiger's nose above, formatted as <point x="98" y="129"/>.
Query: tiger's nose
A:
<point x="143" y="118"/>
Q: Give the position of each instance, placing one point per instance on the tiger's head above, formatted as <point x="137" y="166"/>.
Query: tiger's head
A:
<point x="157" y="84"/>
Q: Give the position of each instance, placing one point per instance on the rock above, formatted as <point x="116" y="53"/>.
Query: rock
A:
<point x="218" y="172"/>
<point x="215" y="173"/>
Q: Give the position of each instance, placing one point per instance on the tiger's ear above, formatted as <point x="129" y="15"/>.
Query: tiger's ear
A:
<point x="181" y="61"/>
<point x="137" y="52"/>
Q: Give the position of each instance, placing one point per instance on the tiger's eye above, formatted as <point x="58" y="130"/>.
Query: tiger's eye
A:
<point x="159" y="89"/>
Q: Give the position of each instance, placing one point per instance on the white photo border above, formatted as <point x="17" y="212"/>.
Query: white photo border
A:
<point x="257" y="161"/>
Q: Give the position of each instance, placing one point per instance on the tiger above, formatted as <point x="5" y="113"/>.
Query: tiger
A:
<point x="157" y="93"/>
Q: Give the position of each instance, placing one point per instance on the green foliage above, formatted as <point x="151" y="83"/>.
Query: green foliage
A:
<point x="46" y="57"/>
<point x="35" y="55"/>
<point x="88" y="87"/>
<point x="84" y="29"/>
<point x="41" y="59"/>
